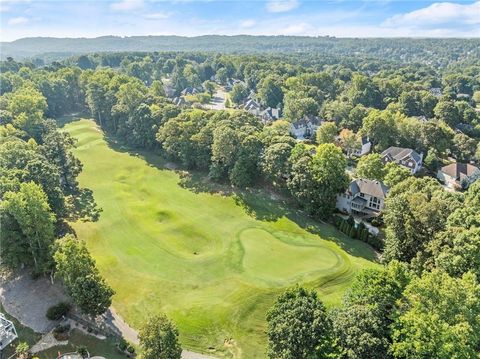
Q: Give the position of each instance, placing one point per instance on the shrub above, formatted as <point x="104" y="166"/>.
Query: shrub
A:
<point x="56" y="312"/>
<point x="62" y="328"/>
<point x="353" y="232"/>
<point x="61" y="332"/>
<point x="82" y="350"/>
<point x="22" y="349"/>
<point x="122" y="345"/>
<point x="130" y="349"/>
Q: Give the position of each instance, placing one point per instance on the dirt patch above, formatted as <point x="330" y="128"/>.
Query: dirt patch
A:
<point x="28" y="300"/>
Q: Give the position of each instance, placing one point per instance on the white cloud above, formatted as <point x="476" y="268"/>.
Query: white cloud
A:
<point x="301" y="28"/>
<point x="282" y="5"/>
<point x="126" y="5"/>
<point x="444" y="13"/>
<point x="6" y="5"/>
<point x="247" y="23"/>
<point x="21" y="20"/>
<point x="158" y="15"/>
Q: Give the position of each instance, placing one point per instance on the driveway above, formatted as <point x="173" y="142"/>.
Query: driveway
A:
<point x="27" y="299"/>
<point x="218" y="100"/>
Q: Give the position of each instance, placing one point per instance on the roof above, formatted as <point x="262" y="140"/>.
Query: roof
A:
<point x="307" y="120"/>
<point x="370" y="187"/>
<point x="251" y="104"/>
<point x="189" y="90"/>
<point x="459" y="170"/>
<point x="272" y="113"/>
<point x="365" y="140"/>
<point x="399" y="153"/>
<point x="359" y="200"/>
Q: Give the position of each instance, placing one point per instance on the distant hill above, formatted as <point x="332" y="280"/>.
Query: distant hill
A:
<point x="402" y="49"/>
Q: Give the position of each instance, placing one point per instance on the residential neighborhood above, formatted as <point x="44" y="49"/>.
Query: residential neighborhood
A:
<point x="282" y="179"/>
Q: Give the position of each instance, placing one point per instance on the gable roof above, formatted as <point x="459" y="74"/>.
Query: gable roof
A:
<point x="189" y="91"/>
<point x="364" y="140"/>
<point x="459" y="170"/>
<point x="251" y="104"/>
<point x="271" y="113"/>
<point x="399" y="153"/>
<point x="372" y="188"/>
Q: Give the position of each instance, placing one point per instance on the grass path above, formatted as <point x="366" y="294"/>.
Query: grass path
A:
<point x="213" y="263"/>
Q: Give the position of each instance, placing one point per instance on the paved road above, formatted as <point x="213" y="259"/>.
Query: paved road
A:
<point x="218" y="100"/>
<point x="132" y="336"/>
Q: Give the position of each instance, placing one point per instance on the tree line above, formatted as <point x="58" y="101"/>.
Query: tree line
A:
<point x="39" y="194"/>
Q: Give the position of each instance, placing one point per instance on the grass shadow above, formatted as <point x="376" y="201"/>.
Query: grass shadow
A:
<point x="71" y="117"/>
<point x="268" y="205"/>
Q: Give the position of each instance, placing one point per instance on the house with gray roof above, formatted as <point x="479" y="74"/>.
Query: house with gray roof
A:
<point x="189" y="91"/>
<point x="405" y="157"/>
<point x="458" y="175"/>
<point x="179" y="101"/>
<point x="270" y="114"/>
<point x="252" y="106"/>
<point x="363" y="197"/>
<point x="306" y="127"/>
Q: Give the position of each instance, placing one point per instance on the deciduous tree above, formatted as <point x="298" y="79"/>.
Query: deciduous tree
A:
<point x="159" y="339"/>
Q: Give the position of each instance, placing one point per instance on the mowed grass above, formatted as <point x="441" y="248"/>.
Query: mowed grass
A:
<point x="213" y="265"/>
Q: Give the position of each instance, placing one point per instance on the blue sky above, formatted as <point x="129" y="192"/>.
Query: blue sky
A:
<point x="361" y="18"/>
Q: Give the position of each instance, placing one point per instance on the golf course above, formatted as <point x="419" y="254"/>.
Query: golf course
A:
<point x="214" y="262"/>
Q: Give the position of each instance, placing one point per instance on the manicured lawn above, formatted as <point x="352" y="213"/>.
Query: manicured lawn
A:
<point x="213" y="263"/>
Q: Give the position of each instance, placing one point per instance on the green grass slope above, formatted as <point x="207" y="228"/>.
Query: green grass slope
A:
<point x="213" y="263"/>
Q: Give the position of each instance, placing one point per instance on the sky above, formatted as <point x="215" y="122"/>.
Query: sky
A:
<point x="340" y="18"/>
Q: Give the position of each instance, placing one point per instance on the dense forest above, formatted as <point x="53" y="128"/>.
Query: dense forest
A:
<point x="420" y="94"/>
<point x="438" y="52"/>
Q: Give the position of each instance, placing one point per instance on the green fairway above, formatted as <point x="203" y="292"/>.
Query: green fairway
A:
<point x="213" y="263"/>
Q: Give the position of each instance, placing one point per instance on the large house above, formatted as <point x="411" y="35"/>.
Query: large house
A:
<point x="458" y="175"/>
<point x="189" y="91"/>
<point x="405" y="157"/>
<point x="270" y="114"/>
<point x="252" y="106"/>
<point x="364" y="147"/>
<point x="365" y="198"/>
<point x="305" y="127"/>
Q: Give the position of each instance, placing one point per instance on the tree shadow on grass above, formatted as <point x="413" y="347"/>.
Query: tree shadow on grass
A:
<point x="84" y="206"/>
<point x="258" y="202"/>
<point x="63" y="120"/>
<point x="265" y="205"/>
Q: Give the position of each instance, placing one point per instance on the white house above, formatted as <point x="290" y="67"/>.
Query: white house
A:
<point x="405" y="157"/>
<point x="305" y="127"/>
<point x="458" y="175"/>
<point x="252" y="106"/>
<point x="364" y="148"/>
<point x="270" y="114"/>
<point x="365" y="198"/>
